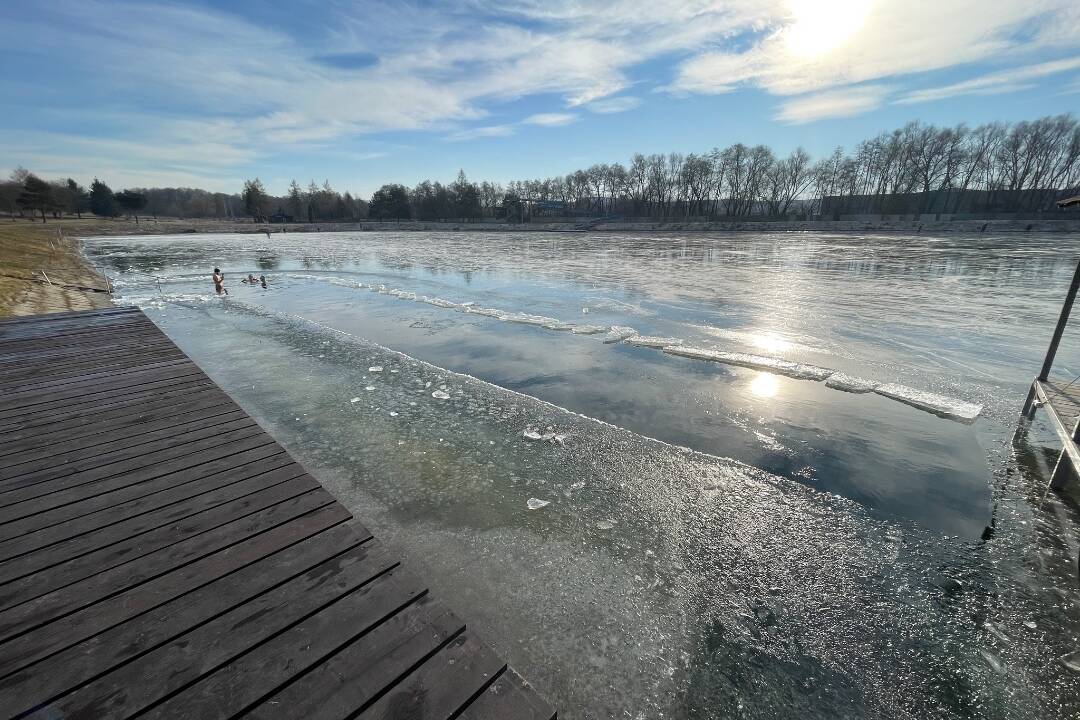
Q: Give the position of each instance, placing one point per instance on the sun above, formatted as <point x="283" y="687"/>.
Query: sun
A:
<point x="820" y="26"/>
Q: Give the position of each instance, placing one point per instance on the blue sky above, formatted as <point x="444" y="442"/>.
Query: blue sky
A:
<point x="206" y="94"/>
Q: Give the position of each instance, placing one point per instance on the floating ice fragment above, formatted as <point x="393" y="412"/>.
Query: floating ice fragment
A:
<point x="993" y="630"/>
<point x="393" y="414"/>
<point x="427" y="384"/>
<point x="618" y="333"/>
<point x="375" y="368"/>
<point x="992" y="660"/>
<point x="605" y="524"/>
<point x="946" y="407"/>
<point x="532" y="434"/>
<point x="588" y="329"/>
<point x="437" y="302"/>
<point x="758" y="362"/>
<point x="558" y="325"/>
<point x="440" y="395"/>
<point x="355" y="400"/>
<point x="850" y="383"/>
<point x="1029" y="624"/>
<point x="651" y="341"/>
<point x="369" y="388"/>
<point x="1071" y="660"/>
<point x="536" y="503"/>
<point x="559" y="439"/>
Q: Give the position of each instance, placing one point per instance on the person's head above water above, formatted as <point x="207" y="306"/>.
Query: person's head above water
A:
<point x="216" y="270"/>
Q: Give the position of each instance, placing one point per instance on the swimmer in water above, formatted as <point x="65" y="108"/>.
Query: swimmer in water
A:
<point x="219" y="282"/>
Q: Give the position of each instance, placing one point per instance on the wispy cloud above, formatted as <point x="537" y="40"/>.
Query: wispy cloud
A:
<point x="607" y="106"/>
<point x="832" y="104"/>
<point x="550" y="119"/>
<point x="993" y="83"/>
<point x="486" y="131"/>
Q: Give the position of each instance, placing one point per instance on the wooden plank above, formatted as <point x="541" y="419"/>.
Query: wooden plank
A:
<point x="380" y="624"/>
<point x="26" y="487"/>
<point x="12" y="380"/>
<point x="88" y="642"/>
<point x="29" y="577"/>
<point x="50" y="317"/>
<point x="129" y="494"/>
<point x="510" y="697"/>
<point x="47" y="456"/>
<point x="443" y="685"/>
<point x="358" y="674"/>
<point x="96" y="387"/>
<point x="206" y="461"/>
<point x="88" y="416"/>
<point x="133" y="688"/>
<point x="50" y="357"/>
<point x="28" y="616"/>
<point x="90" y="532"/>
<point x="150" y="413"/>
<point x="123" y="372"/>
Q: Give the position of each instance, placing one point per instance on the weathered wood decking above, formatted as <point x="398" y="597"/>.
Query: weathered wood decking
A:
<point x="162" y="556"/>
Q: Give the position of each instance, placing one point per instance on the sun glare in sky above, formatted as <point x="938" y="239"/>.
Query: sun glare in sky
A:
<point x="821" y="26"/>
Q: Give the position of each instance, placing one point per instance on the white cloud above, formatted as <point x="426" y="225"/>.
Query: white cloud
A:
<point x="550" y="119"/>
<point x="832" y="104"/>
<point x="607" y="106"/>
<point x="481" y="132"/>
<point x="993" y="83"/>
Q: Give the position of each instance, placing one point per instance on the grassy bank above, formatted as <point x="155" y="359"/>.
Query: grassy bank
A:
<point x="42" y="271"/>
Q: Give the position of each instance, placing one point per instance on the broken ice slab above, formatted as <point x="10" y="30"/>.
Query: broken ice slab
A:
<point x="946" y="407"/>
<point x="800" y="371"/>
<point x="618" y="333"/>
<point x="589" y="329"/>
<point x="850" y="383"/>
<point x="652" y="342"/>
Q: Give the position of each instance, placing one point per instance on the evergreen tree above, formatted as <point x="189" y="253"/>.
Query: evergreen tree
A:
<point x="390" y="202"/>
<point x="131" y="201"/>
<point x="296" y="201"/>
<point x="102" y="202"/>
<point x="78" y="198"/>
<point x="36" y="196"/>
<point x="255" y="199"/>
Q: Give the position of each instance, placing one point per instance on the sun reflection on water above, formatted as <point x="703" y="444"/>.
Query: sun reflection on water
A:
<point x="764" y="385"/>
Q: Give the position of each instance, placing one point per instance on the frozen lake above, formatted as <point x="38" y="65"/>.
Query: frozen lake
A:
<point x="741" y="534"/>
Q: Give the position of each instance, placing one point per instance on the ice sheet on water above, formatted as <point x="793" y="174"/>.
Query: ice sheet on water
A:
<point x="800" y="371"/>
<point x="529" y="319"/>
<point x="440" y="395"/>
<point x="850" y="383"/>
<point x="589" y="329"/>
<point x="652" y="341"/>
<point x="618" y="333"/>
<point x="931" y="402"/>
<point x="375" y="368"/>
<point x="486" y="312"/>
<point x="532" y="434"/>
<point x="537" y="503"/>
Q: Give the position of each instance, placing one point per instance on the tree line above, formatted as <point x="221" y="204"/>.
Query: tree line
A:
<point x="918" y="168"/>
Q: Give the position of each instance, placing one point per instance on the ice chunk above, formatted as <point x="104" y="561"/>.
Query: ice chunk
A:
<point x="375" y="368"/>
<point x="532" y="434"/>
<point x="589" y="329"/>
<point x="931" y="402"/>
<point x="618" y="333"/>
<point x="559" y="439"/>
<point x="527" y="319"/>
<point x="440" y="395"/>
<point x="605" y="524"/>
<point x="992" y="660"/>
<point x="369" y="388"/>
<point x="393" y="414"/>
<point x="536" y="503"/>
<point x="652" y="342"/>
<point x="758" y="362"/>
<point x="850" y="383"/>
<point x="355" y="400"/>
<point x="486" y="312"/>
<point x="558" y="325"/>
<point x="1071" y="660"/>
<point x="437" y="302"/>
<point x="1029" y="624"/>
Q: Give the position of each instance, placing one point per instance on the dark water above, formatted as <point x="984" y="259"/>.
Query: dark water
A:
<point x="729" y="541"/>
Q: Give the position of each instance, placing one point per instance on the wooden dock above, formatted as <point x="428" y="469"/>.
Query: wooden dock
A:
<point x="162" y="556"/>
